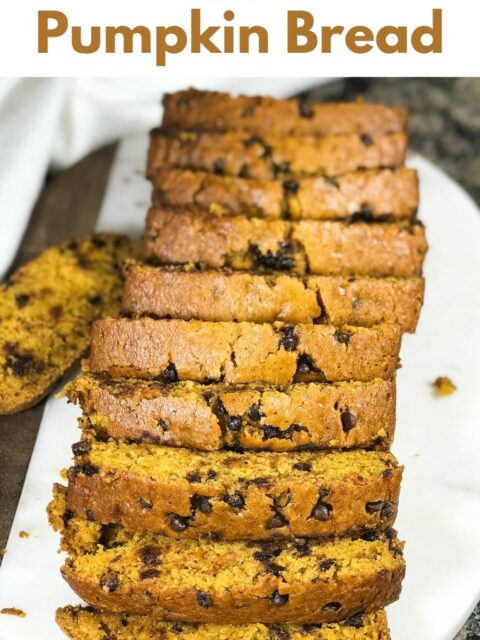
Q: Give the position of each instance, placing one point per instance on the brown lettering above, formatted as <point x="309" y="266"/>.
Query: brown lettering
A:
<point x="356" y="35"/>
<point x="202" y="38"/>
<point x="127" y="34"/>
<point x="163" y="47"/>
<point x="300" y="24"/>
<point x="400" y="34"/>
<point x="260" y="32"/>
<point x="327" y="33"/>
<point x="93" y="45"/>
<point x="435" y="32"/>
<point x="45" y="32"/>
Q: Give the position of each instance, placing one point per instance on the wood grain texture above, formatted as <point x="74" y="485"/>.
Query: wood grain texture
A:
<point x="68" y="205"/>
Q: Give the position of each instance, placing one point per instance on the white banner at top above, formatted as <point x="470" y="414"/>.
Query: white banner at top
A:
<point x="240" y="37"/>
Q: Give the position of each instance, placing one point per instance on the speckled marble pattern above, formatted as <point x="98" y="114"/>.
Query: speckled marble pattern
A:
<point x="445" y="128"/>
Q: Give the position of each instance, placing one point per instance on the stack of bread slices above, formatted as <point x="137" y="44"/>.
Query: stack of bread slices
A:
<point x="234" y="478"/>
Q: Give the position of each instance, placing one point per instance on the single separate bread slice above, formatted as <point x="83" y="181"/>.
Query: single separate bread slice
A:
<point x="376" y="194"/>
<point x="307" y="246"/>
<point x="215" y="111"/>
<point x="233" y="496"/>
<point x="46" y="308"/>
<point x="296" y="581"/>
<point x="83" y="623"/>
<point x="343" y="415"/>
<point x="190" y="294"/>
<point x="239" y="352"/>
<point x="264" y="158"/>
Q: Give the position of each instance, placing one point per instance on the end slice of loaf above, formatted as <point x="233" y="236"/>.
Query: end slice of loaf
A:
<point x="344" y="415"/>
<point x="233" y="496"/>
<point x="306" y="246"/>
<point x="189" y="294"/>
<point x="83" y="623"/>
<point x="267" y="157"/>
<point x="215" y="111"/>
<point x="242" y="352"/>
<point x="46" y="309"/>
<point x="296" y="581"/>
<point x="377" y="194"/>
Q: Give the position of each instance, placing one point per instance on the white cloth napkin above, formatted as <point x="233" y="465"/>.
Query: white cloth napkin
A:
<point x="53" y="122"/>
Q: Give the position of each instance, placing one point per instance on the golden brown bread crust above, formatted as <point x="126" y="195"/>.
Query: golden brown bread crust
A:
<point x="215" y="111"/>
<point x="306" y="246"/>
<point x="82" y="623"/>
<point x="378" y="194"/>
<point x="227" y="296"/>
<point x="252" y="496"/>
<point x="185" y="414"/>
<point x="268" y="157"/>
<point x="242" y="352"/>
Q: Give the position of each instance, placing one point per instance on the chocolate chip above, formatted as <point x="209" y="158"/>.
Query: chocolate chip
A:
<point x="88" y="470"/>
<point x="234" y="500"/>
<point x="274" y="569"/>
<point x="332" y="606"/>
<point x="276" y="521"/>
<point x="279" y="599"/>
<point x="253" y="140"/>
<point x="109" y="582"/>
<point x="258" y="482"/>
<point x="332" y="182"/>
<point x="178" y="523"/>
<point x="98" y="242"/>
<point x="193" y="476"/>
<point x="302" y="548"/>
<point x="322" y="512"/>
<point x="270" y="432"/>
<point x="370" y="536"/>
<point x="275" y="632"/>
<point x="305" y="364"/>
<point x="305" y="109"/>
<point x="302" y="466"/>
<point x="148" y="574"/>
<point x="388" y="473"/>
<point x="202" y="503"/>
<point x="204" y="599"/>
<point x="211" y="474"/>
<point x="145" y="504"/>
<point x="348" y="420"/>
<point x="282" y="260"/>
<point x="290" y="186"/>
<point x="366" y="139"/>
<point x="90" y="515"/>
<point x="21" y="364"/>
<point x="81" y="448"/>
<point x="254" y="412"/>
<point x="355" y="621"/>
<point x="289" y="341"/>
<point x="150" y="555"/>
<point x="219" y="167"/>
<point x="234" y="423"/>
<point x="56" y="312"/>
<point x="374" y="507"/>
<point x="388" y="510"/>
<point x="95" y="300"/>
<point x="21" y="300"/>
<point x="325" y="565"/>
<point x="341" y="336"/>
<point x="170" y="374"/>
<point x="244" y="172"/>
<point x="281" y="167"/>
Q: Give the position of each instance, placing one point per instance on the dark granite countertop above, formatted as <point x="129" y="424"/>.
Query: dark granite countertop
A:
<point x="445" y="128"/>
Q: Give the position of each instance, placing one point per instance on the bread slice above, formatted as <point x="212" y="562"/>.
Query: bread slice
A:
<point x="239" y="352"/>
<point x="46" y="308"/>
<point x="376" y="194"/>
<point x="214" y="111"/>
<point x="189" y="294"/>
<point x="233" y="496"/>
<point x="343" y="415"/>
<point x="83" y="623"/>
<point x="267" y="157"/>
<point x="306" y="246"/>
<point x="296" y="581"/>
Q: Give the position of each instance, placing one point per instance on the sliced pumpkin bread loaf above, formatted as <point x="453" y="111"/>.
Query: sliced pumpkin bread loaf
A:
<point x="376" y="194"/>
<point x="190" y="294"/>
<point x="344" y="415"/>
<point x="46" y="308"/>
<point x="306" y="246"/>
<point x="216" y="111"/>
<point x="84" y="623"/>
<point x="267" y="157"/>
<point x="296" y="581"/>
<point x="233" y="496"/>
<point x="240" y="352"/>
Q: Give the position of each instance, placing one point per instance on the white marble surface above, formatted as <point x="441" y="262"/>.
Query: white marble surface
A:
<point x="437" y="439"/>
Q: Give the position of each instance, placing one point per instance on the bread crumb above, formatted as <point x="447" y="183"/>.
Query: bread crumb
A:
<point x="23" y="534"/>
<point x="64" y="474"/>
<point x="444" y="386"/>
<point x="12" y="611"/>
